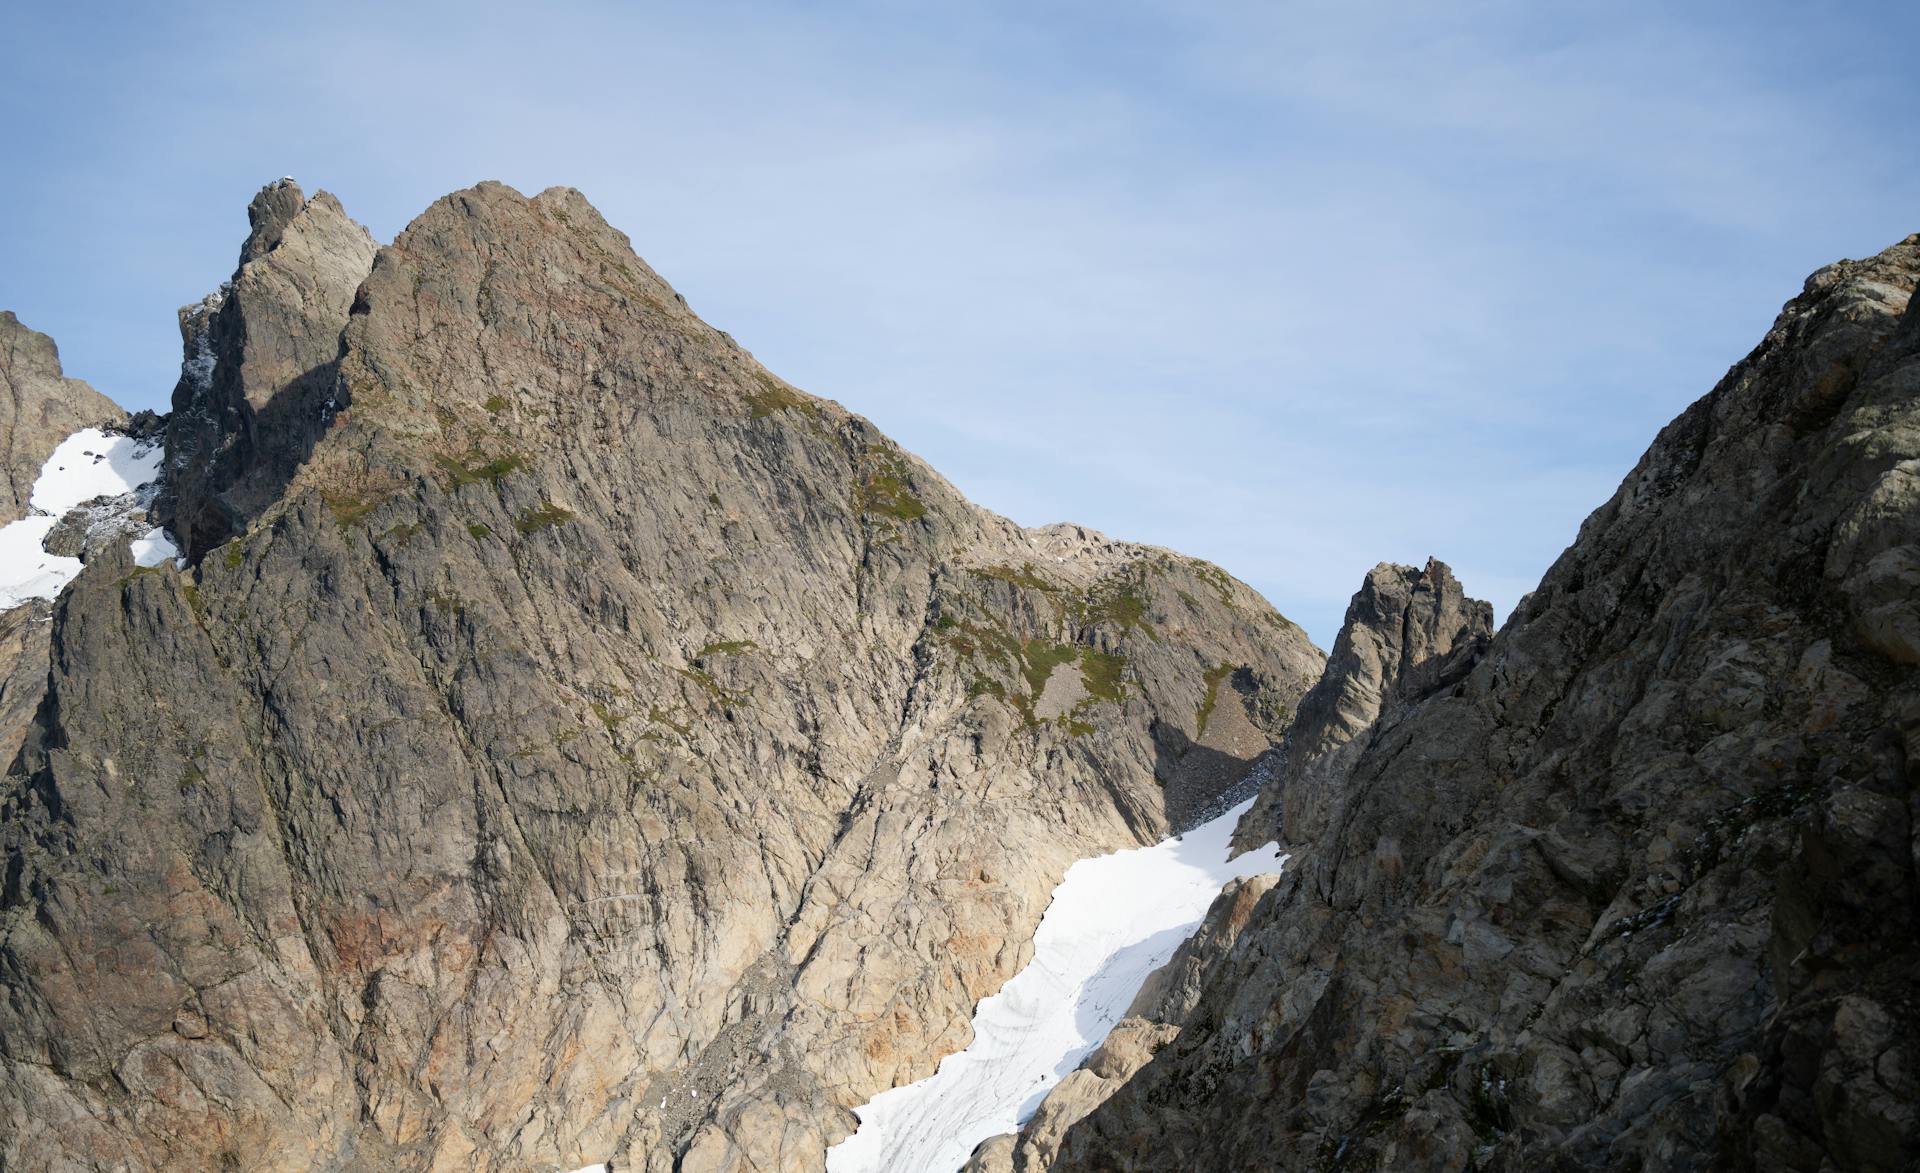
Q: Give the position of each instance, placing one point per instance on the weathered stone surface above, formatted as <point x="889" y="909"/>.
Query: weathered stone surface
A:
<point x="24" y="633"/>
<point x="1640" y="891"/>
<point x="39" y="407"/>
<point x="1408" y="633"/>
<point x="256" y="391"/>
<point x="589" y="747"/>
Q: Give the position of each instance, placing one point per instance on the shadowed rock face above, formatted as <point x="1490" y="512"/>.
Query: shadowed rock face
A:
<point x="257" y="389"/>
<point x="1640" y="891"/>
<point x="574" y="743"/>
<point x="39" y="407"/>
<point x="1407" y="634"/>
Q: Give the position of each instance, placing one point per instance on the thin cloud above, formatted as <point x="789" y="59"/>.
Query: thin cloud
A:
<point x="1294" y="287"/>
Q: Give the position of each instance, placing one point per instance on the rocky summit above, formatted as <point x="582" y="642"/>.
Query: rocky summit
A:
<point x="562" y="741"/>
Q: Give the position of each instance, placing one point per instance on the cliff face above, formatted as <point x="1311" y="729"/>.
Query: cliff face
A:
<point x="1639" y="891"/>
<point x="569" y="741"/>
<point x="39" y="407"/>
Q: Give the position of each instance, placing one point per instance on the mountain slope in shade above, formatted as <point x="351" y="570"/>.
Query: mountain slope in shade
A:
<point x="568" y="742"/>
<point x="1639" y="891"/>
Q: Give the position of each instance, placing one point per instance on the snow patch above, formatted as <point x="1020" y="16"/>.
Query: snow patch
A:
<point x="89" y="464"/>
<point x="153" y="548"/>
<point x="92" y="463"/>
<point x="27" y="571"/>
<point x="1113" y="921"/>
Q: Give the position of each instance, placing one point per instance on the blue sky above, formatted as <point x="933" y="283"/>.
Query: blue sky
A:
<point x="1294" y="287"/>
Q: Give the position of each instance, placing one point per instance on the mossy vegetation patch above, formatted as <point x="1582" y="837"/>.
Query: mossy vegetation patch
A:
<point x="141" y="572"/>
<point x="1219" y="580"/>
<point x="607" y="716"/>
<point x="1214" y="676"/>
<point x="661" y="716"/>
<point x="542" y="516"/>
<point x="351" y="506"/>
<point x="727" y="647"/>
<point x="1101" y="672"/>
<point x="1038" y="659"/>
<point x="885" y="488"/>
<point x="986" y="686"/>
<point x="713" y="688"/>
<point x="1121" y="601"/>
<point x="979" y="639"/>
<point x="769" y="395"/>
<point x="1014" y="667"/>
<point x="474" y="468"/>
<point x="1022" y="576"/>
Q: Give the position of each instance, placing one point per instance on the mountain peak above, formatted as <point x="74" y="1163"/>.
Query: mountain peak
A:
<point x="273" y="208"/>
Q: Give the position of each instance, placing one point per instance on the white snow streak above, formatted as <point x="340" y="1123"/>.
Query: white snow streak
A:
<point x="1113" y="921"/>
<point x="90" y="463"/>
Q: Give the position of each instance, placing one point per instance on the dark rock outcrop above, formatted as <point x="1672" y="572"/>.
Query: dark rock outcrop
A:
<point x="258" y="385"/>
<point x="39" y="407"/>
<point x="1408" y="633"/>
<point x="585" y="745"/>
<point x="1640" y="891"/>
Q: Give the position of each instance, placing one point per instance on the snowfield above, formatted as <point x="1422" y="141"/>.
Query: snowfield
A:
<point x="88" y="464"/>
<point x="1113" y="920"/>
<point x="92" y="463"/>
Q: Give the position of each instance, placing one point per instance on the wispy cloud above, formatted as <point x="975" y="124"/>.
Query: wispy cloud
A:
<point x="1296" y="287"/>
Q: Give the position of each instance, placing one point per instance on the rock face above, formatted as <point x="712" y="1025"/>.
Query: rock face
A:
<point x="39" y="407"/>
<point x="1639" y="891"/>
<point x="1408" y="633"/>
<point x="256" y="391"/>
<point x="569" y="741"/>
<point x="24" y="636"/>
